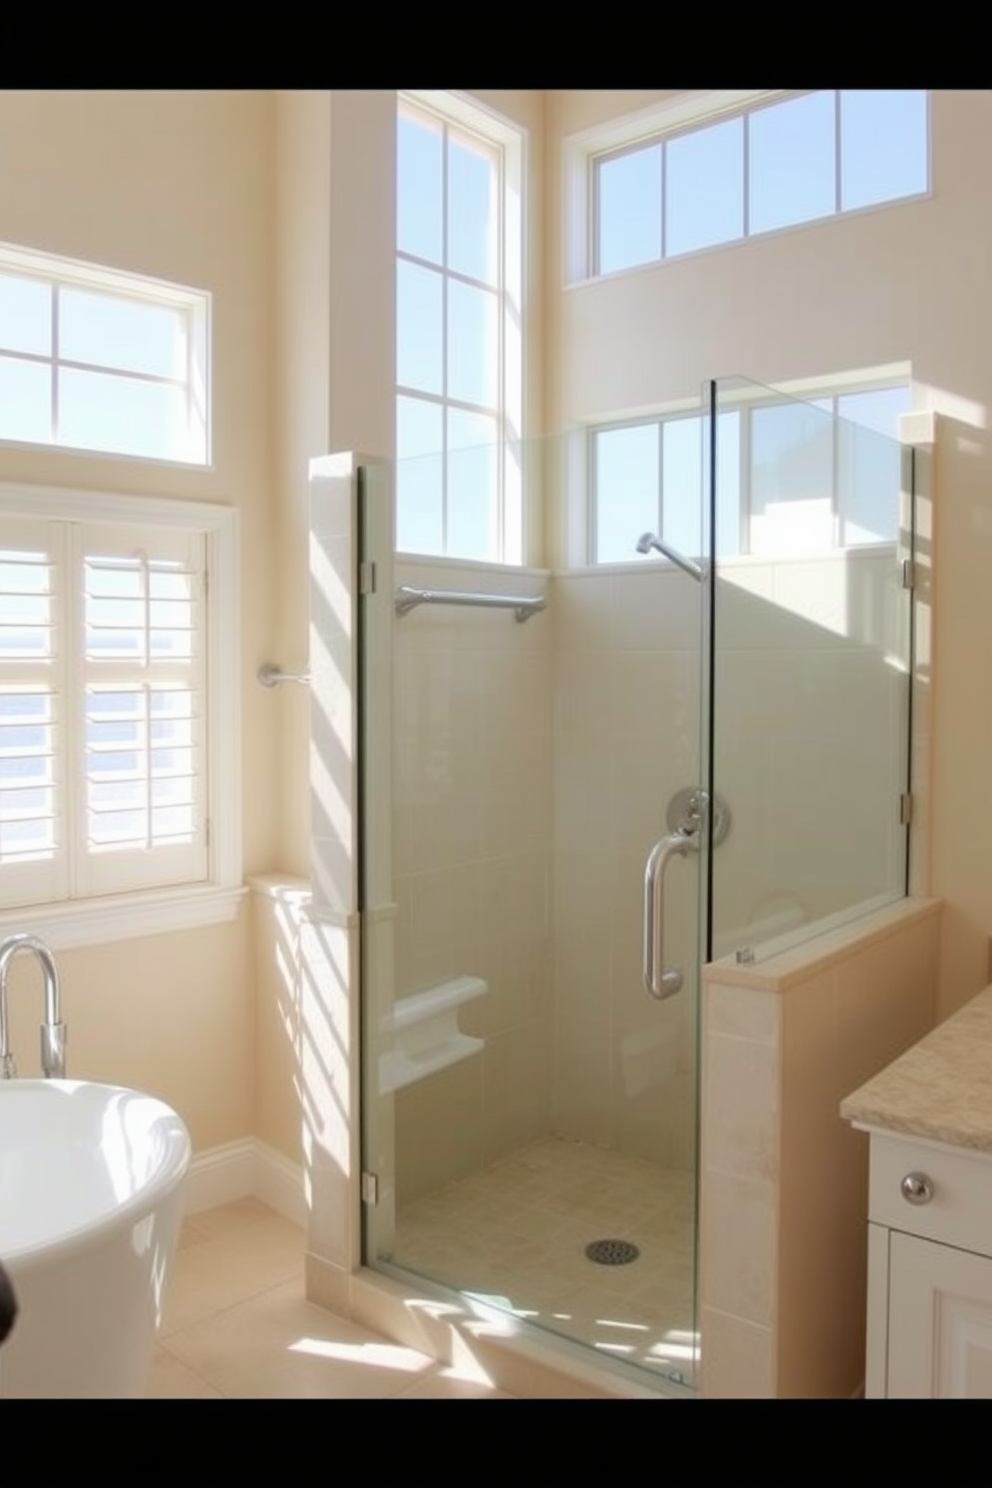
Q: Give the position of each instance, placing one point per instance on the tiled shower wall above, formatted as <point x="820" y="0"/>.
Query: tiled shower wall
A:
<point x="532" y="769"/>
<point x="472" y="864"/>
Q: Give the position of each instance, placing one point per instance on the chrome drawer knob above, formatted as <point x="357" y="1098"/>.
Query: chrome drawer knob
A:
<point x="917" y="1188"/>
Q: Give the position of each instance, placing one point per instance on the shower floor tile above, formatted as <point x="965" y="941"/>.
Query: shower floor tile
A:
<point x="515" y="1235"/>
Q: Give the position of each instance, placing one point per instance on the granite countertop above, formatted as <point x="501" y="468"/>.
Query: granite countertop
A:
<point x="940" y="1088"/>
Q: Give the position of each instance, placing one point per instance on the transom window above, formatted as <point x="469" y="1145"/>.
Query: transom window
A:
<point x="792" y="477"/>
<point x="458" y="339"/>
<point x="97" y="360"/>
<point x="776" y="164"/>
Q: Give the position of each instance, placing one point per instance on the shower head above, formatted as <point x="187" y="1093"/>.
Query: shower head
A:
<point x="649" y="540"/>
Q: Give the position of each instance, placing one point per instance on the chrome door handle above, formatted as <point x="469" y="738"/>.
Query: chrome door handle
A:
<point x="658" y="982"/>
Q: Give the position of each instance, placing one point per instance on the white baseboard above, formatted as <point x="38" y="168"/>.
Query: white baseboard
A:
<point x="246" y="1169"/>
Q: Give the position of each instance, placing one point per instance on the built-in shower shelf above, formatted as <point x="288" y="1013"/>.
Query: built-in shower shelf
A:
<point x="424" y="1033"/>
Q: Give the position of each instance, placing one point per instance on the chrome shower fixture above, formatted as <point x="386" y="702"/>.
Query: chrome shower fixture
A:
<point x="649" y="540"/>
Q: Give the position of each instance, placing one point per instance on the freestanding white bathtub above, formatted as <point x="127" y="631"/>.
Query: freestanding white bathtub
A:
<point x="91" y="1182"/>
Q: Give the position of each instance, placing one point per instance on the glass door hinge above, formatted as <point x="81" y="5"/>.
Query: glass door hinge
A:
<point x="908" y="574"/>
<point x="905" y="808"/>
<point x="366" y="577"/>
<point x="370" y="1188"/>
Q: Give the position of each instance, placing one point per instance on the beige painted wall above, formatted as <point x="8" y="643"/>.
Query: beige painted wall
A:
<point x="906" y="282"/>
<point x="178" y="185"/>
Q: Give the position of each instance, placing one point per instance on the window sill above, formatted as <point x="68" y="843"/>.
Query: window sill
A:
<point x="125" y="916"/>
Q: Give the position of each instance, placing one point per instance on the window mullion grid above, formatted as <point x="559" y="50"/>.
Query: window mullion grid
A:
<point x="837" y="160"/>
<point x="663" y="168"/>
<point x="56" y="297"/>
<point x="660" y="477"/>
<point x="747" y="545"/>
<point x="746" y="174"/>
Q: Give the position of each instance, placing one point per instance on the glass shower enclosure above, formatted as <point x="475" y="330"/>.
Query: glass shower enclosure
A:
<point x="683" y="736"/>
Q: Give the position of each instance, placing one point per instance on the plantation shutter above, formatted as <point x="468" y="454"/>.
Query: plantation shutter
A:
<point x="33" y="859"/>
<point x="102" y="706"/>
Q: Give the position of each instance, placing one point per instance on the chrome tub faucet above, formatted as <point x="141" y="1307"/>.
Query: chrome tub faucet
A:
<point x="53" y="1031"/>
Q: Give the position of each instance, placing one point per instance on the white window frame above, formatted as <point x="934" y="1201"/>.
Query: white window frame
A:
<point x="507" y="140"/>
<point x="655" y="124"/>
<point x="103" y="918"/>
<point x="193" y="305"/>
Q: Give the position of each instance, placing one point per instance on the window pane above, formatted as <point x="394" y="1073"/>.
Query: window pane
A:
<point x="792" y="470"/>
<point x="728" y="483"/>
<point x="472" y="203"/>
<point x="473" y="530"/>
<point x="110" y="331"/>
<point x="628" y="210"/>
<point x="473" y="345"/>
<point x="419" y="328"/>
<point x="418" y="188"/>
<point x="626" y="476"/>
<point x="100" y="411"/>
<point x="419" y="477"/>
<point x="25" y="315"/>
<point x="869" y="476"/>
<point x="25" y="401"/>
<point x="883" y="149"/>
<point x="682" y="484"/>
<point x="792" y="162"/>
<point x="704" y="187"/>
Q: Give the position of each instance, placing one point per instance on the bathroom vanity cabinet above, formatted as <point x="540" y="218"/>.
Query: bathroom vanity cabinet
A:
<point x="929" y="1120"/>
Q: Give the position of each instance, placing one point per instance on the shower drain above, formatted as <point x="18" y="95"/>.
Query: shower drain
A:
<point x="612" y="1252"/>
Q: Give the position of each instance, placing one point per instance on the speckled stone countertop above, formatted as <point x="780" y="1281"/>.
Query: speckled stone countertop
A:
<point x="940" y="1088"/>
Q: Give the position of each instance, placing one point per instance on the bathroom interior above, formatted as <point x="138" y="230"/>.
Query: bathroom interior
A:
<point x="465" y="799"/>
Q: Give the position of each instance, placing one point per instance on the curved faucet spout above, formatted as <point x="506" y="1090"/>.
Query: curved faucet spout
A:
<point x="53" y="1031"/>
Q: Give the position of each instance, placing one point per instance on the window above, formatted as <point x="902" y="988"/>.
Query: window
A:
<point x="793" y="476"/>
<point x="97" y="360"/>
<point x="117" y="702"/>
<point x="773" y="164"/>
<point x="458" y="336"/>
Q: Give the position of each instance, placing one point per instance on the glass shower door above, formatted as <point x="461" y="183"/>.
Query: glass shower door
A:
<point x="529" y="1014"/>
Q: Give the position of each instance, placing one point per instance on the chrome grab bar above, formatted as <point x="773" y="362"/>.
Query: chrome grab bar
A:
<point x="658" y="982"/>
<point x="522" y="605"/>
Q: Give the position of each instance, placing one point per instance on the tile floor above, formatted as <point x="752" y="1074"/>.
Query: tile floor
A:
<point x="516" y="1234"/>
<point x="237" y="1325"/>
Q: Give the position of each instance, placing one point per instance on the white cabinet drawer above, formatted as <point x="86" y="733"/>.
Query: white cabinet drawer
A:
<point x="958" y="1210"/>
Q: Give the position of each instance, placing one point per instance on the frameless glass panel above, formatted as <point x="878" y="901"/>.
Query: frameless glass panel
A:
<point x="628" y="209"/>
<point x="25" y="315"/>
<point x="473" y="344"/>
<point x="811" y="684"/>
<point x="868" y="469"/>
<point x="791" y="479"/>
<point x="100" y="411"/>
<point x="472" y="210"/>
<point x="626" y="479"/>
<point x="792" y="162"/>
<point x="419" y="476"/>
<point x="25" y="400"/>
<point x="110" y="331"/>
<point x="419" y="156"/>
<point x="419" y="328"/>
<point x="884" y="144"/>
<point x="704" y="187"/>
<point x="472" y="511"/>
